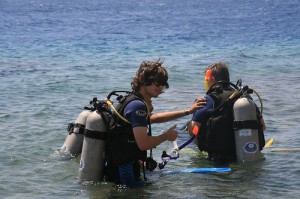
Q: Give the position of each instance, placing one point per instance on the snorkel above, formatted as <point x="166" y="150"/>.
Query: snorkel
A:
<point x="174" y="154"/>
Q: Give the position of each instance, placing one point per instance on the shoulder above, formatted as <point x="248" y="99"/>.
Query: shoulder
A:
<point x="136" y="113"/>
<point x="137" y="107"/>
<point x="202" y="113"/>
<point x="209" y="102"/>
<point x="209" y="98"/>
<point x="136" y="104"/>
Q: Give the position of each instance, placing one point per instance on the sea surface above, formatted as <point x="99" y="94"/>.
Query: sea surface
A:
<point x="55" y="56"/>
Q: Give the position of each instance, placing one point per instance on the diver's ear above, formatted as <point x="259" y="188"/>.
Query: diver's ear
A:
<point x="212" y="80"/>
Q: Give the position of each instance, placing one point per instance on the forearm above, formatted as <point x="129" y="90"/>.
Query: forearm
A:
<point x="172" y="115"/>
<point x="153" y="141"/>
<point x="146" y="142"/>
<point x="168" y="116"/>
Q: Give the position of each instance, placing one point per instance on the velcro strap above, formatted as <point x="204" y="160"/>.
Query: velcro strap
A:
<point x="97" y="135"/>
<point x="246" y="124"/>
<point x="71" y="127"/>
<point x="81" y="128"/>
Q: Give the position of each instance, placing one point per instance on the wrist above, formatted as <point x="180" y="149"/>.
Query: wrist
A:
<point x="164" y="136"/>
<point x="186" y="112"/>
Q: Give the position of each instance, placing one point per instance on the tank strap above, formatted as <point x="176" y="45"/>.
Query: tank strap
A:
<point x="81" y="128"/>
<point x="98" y="135"/>
<point x="71" y="127"/>
<point x="246" y="124"/>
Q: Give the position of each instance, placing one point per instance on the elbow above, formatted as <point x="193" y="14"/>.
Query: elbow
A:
<point x="155" y="118"/>
<point x="142" y="146"/>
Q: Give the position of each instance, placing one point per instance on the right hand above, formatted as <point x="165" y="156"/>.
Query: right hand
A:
<point x="198" y="103"/>
<point x="172" y="133"/>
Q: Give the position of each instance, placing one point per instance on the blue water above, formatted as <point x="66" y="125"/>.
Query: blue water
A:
<point x="55" y="56"/>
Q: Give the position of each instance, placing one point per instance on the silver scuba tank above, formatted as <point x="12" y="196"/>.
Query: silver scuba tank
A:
<point x="74" y="141"/>
<point x="246" y="133"/>
<point x="91" y="166"/>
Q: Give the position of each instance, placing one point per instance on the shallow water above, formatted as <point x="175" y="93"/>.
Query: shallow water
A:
<point x="56" y="56"/>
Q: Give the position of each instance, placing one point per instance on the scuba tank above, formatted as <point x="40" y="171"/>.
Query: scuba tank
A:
<point x="246" y="130"/>
<point x="73" y="142"/>
<point x="245" y="125"/>
<point x="92" y="157"/>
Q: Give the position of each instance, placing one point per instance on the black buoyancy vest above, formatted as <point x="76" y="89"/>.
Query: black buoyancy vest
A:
<point x="121" y="146"/>
<point x="216" y="134"/>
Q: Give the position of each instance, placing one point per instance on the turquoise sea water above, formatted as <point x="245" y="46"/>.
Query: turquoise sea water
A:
<point x="55" y="56"/>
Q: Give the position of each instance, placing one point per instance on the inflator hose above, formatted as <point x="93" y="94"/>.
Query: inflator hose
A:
<point x="109" y="103"/>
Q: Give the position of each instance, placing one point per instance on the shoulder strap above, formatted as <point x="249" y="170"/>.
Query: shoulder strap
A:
<point x="224" y="99"/>
<point x="236" y="93"/>
<point x="124" y="100"/>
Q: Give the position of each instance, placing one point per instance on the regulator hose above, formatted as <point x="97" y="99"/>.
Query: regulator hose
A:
<point x="260" y="100"/>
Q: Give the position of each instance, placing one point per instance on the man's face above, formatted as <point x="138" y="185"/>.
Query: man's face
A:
<point x="155" y="90"/>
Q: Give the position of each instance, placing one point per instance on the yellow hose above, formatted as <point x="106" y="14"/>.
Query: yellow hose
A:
<point x="109" y="103"/>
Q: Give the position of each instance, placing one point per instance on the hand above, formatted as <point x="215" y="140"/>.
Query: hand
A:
<point x="172" y="133"/>
<point x="198" y="103"/>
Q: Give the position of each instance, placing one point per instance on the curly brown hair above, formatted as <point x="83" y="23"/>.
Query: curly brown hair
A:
<point x="150" y="72"/>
